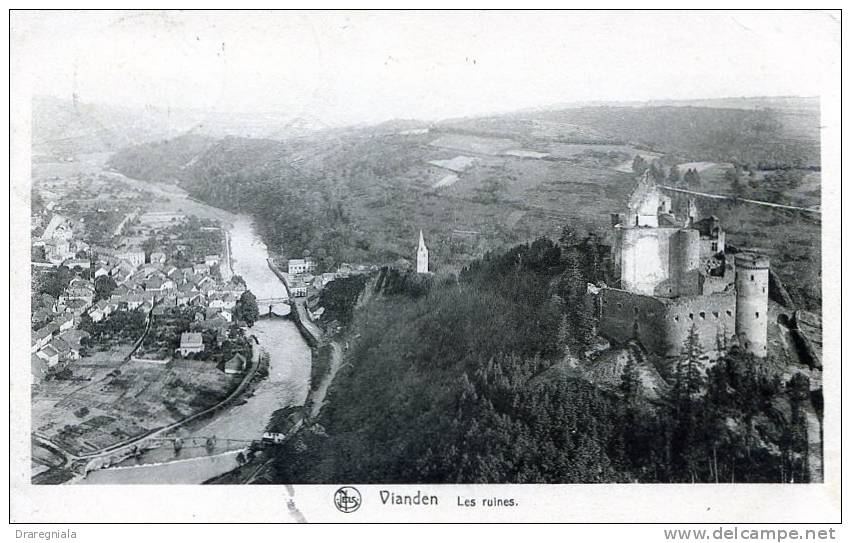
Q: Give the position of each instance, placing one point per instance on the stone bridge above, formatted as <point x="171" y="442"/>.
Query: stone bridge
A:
<point x="274" y="307"/>
<point x="272" y="301"/>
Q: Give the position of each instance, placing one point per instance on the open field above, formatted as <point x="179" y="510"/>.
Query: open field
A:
<point x="474" y="144"/>
<point x="699" y="166"/>
<point x="759" y="186"/>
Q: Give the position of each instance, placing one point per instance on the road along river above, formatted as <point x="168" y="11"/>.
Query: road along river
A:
<point x="287" y="384"/>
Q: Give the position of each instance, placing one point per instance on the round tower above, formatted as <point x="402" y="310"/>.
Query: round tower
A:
<point x="752" y="303"/>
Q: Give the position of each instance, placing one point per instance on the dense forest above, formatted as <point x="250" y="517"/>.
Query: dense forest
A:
<point x="295" y="209"/>
<point x="481" y="378"/>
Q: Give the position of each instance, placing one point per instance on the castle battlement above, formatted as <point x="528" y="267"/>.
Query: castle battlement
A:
<point x="750" y="261"/>
<point x="674" y="275"/>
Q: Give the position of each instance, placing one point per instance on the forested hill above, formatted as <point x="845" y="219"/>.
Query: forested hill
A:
<point x="361" y="195"/>
<point x="482" y="379"/>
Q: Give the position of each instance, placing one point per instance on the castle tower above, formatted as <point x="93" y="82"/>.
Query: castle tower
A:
<point x="692" y="212"/>
<point x="643" y="204"/>
<point x="422" y="255"/>
<point x="752" y="303"/>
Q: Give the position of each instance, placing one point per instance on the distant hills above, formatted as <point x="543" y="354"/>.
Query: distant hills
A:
<point x="62" y="127"/>
<point x="65" y="127"/>
<point x="747" y="128"/>
<point x="742" y="102"/>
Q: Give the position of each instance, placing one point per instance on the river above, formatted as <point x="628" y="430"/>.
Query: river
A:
<point x="287" y="384"/>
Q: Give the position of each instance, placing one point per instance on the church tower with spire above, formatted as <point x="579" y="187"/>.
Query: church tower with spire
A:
<point x="422" y="255"/>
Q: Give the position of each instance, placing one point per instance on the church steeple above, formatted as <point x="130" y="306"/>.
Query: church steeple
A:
<point x="422" y="255"/>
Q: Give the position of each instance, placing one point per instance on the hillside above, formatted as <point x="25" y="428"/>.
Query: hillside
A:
<point x="470" y="380"/>
<point x="765" y="137"/>
<point x="474" y="185"/>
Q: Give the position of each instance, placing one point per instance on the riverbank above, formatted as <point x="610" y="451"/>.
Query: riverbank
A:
<point x="244" y="417"/>
<point x="141" y="446"/>
<point x="298" y="312"/>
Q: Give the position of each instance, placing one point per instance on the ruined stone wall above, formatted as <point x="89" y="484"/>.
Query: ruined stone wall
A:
<point x="625" y="316"/>
<point x="662" y="325"/>
<point x="659" y="261"/>
<point x="712" y="315"/>
<point x="711" y="284"/>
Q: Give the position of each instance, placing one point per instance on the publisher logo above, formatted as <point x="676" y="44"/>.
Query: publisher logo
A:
<point x="347" y="499"/>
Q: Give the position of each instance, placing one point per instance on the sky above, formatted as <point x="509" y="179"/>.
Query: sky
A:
<point x="362" y="67"/>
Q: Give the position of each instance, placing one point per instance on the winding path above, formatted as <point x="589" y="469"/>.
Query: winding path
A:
<point x="318" y="399"/>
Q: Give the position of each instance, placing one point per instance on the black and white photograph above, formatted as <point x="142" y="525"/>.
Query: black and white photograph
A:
<point x="399" y="266"/>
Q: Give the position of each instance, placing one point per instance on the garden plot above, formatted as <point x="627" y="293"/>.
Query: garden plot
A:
<point x="124" y="400"/>
<point x="525" y="153"/>
<point x="446" y="181"/>
<point x="458" y="164"/>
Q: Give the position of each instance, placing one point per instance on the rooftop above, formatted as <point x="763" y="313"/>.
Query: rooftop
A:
<point x="191" y="339"/>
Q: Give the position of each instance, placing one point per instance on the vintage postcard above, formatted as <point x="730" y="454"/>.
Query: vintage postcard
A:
<point x="425" y="266"/>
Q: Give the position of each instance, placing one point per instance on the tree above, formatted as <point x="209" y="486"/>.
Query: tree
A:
<point x="688" y="382"/>
<point x="692" y="178"/>
<point x="104" y="285"/>
<point x="688" y="377"/>
<point x="639" y="165"/>
<point x="149" y="245"/>
<point x="796" y="453"/>
<point x="568" y="238"/>
<point x="630" y="384"/>
<point x="593" y="268"/>
<point x="674" y="176"/>
<point x="54" y="282"/>
<point x="572" y="286"/>
<point x="733" y="177"/>
<point x="656" y="172"/>
<point x="246" y="308"/>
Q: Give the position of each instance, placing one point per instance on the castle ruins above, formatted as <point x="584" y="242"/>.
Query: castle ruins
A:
<point x="672" y="272"/>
